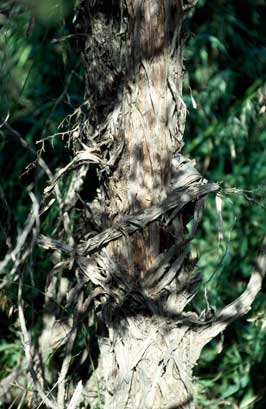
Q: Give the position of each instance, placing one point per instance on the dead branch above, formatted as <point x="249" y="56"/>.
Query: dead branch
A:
<point x="13" y="256"/>
<point x="33" y="219"/>
<point x="67" y="358"/>
<point x="238" y="307"/>
<point x="27" y="348"/>
<point x="76" y="396"/>
<point x="7" y="383"/>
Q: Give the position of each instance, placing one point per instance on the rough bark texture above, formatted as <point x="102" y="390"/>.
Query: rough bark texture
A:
<point x="136" y="246"/>
<point x="150" y="366"/>
<point x="147" y="359"/>
<point x="133" y="241"/>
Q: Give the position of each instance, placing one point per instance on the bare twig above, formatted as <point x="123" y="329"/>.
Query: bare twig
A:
<point x="241" y="305"/>
<point x="26" y="341"/>
<point x="27" y="348"/>
<point x="7" y="383"/>
<point x="76" y="396"/>
<point x="68" y="357"/>
<point x="22" y="237"/>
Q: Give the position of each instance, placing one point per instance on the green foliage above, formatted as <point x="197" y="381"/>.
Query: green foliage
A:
<point x="10" y="354"/>
<point x="226" y="133"/>
<point x="41" y="83"/>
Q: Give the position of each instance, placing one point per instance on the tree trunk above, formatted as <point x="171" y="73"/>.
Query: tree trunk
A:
<point x="134" y="240"/>
<point x="137" y="249"/>
<point x="147" y="358"/>
<point x="148" y="363"/>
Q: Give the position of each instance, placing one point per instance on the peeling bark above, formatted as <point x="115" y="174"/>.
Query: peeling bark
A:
<point x="138" y="254"/>
<point x="151" y="365"/>
<point x="147" y="358"/>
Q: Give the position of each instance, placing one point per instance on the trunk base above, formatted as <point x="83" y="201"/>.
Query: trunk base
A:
<point x="146" y="364"/>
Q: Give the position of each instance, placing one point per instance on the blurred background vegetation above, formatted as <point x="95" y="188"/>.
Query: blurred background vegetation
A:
<point x="42" y="82"/>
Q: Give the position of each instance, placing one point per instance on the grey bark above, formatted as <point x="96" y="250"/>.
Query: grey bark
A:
<point x="144" y="266"/>
<point x="141" y="259"/>
<point x="138" y="256"/>
<point x="134" y="246"/>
